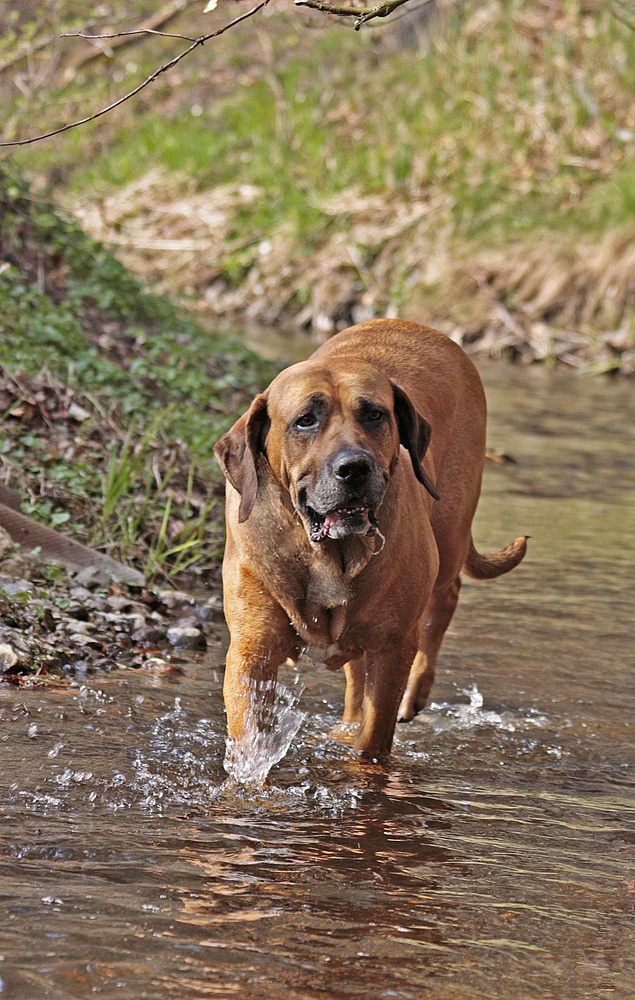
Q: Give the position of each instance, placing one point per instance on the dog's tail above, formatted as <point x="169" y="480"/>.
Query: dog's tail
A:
<point x="487" y="567"/>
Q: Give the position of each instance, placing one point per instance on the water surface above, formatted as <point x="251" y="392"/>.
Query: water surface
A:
<point x="491" y="858"/>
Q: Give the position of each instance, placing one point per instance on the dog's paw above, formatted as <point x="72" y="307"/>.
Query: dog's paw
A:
<point x="344" y="732"/>
<point x="408" y="709"/>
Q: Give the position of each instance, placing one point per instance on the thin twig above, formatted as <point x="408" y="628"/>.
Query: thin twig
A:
<point x="153" y="76"/>
<point x="135" y="31"/>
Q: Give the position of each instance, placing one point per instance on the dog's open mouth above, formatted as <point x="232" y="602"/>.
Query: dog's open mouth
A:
<point x="352" y="518"/>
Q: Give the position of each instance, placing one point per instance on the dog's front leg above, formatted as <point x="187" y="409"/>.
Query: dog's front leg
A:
<point x="386" y="678"/>
<point x="261" y="639"/>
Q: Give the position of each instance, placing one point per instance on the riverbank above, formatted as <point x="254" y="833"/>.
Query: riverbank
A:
<point x="111" y="397"/>
<point x="111" y="400"/>
<point x="477" y="176"/>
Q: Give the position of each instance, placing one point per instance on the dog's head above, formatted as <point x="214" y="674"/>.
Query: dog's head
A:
<point x="331" y="434"/>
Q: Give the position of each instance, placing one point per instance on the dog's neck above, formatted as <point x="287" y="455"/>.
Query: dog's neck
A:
<point x="344" y="558"/>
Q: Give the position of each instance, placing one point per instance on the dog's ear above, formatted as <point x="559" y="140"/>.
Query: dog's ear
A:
<point x="237" y="453"/>
<point x="414" y="434"/>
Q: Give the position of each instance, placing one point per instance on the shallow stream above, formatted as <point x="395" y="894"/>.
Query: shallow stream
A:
<point x="491" y="858"/>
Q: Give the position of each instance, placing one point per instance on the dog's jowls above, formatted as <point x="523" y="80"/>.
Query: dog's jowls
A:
<point x="352" y="482"/>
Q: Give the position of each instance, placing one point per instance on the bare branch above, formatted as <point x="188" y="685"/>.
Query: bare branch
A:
<point x="329" y="8"/>
<point x="135" y="31"/>
<point x="361" y="14"/>
<point x="155" y="22"/>
<point x="153" y="76"/>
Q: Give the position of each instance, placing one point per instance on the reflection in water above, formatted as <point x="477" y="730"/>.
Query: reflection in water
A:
<point x="491" y="858"/>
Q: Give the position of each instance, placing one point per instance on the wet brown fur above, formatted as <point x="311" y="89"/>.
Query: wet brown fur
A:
<point x="377" y="608"/>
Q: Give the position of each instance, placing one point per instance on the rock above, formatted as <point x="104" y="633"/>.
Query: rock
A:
<point x="148" y="634"/>
<point x="18" y="587"/>
<point x="86" y="576"/>
<point x="79" y="639"/>
<point x="172" y="598"/>
<point x="119" y="603"/>
<point x="8" y="657"/>
<point x="78" y="413"/>
<point x="186" y="637"/>
<point x="76" y="627"/>
<point x="16" y="653"/>
<point x="81" y="595"/>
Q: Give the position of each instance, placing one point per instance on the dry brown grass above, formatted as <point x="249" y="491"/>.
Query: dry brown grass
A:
<point x="180" y="239"/>
<point x="558" y="297"/>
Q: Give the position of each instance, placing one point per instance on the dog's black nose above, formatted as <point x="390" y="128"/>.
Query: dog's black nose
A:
<point x="353" y="465"/>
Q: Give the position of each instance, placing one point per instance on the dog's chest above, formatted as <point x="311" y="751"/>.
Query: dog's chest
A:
<point x="327" y="588"/>
<point x="315" y="585"/>
<point x="320" y="618"/>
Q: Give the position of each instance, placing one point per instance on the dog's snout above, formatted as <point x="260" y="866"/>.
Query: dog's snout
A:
<point x="352" y="466"/>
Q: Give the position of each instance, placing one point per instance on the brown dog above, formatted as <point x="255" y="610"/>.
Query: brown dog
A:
<point x="352" y="484"/>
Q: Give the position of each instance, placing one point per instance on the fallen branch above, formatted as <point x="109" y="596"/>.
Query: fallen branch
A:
<point x="153" y="76"/>
<point x="54" y="545"/>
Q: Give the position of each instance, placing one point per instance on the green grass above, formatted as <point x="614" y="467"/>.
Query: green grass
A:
<point x="159" y="390"/>
<point x="498" y="119"/>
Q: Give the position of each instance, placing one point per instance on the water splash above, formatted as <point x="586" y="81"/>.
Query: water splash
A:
<point x="473" y="715"/>
<point x="250" y="761"/>
<point x="172" y="769"/>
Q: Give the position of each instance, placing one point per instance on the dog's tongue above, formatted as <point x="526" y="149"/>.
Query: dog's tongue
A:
<point x="333" y="518"/>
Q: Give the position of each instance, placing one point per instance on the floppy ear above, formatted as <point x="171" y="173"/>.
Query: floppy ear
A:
<point x="414" y="434"/>
<point x="237" y="453"/>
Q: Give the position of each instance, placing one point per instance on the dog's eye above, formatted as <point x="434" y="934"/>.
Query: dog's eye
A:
<point x="307" y="420"/>
<point x="375" y="415"/>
